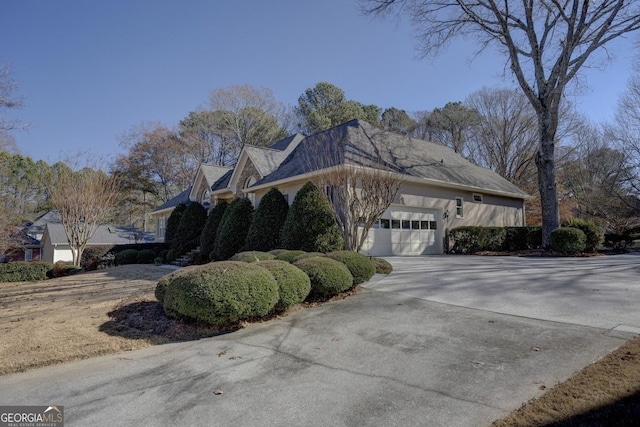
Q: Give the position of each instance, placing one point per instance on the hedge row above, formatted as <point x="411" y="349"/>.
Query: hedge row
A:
<point x="472" y="239"/>
<point x="226" y="292"/>
<point x="24" y="271"/>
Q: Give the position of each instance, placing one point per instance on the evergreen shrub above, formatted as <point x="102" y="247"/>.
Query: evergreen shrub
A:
<point x="593" y="232"/>
<point x="252" y="256"/>
<point x="568" y="240"/>
<point x="208" y="236"/>
<point x="190" y="227"/>
<point x="289" y="256"/>
<point x="264" y="233"/>
<point x="361" y="267"/>
<point x="128" y="256"/>
<point x="328" y="276"/>
<point x="293" y="284"/>
<point x="219" y="293"/>
<point x="22" y="271"/>
<point x="233" y="229"/>
<point x="146" y="256"/>
<point x="382" y="265"/>
<point x="310" y="224"/>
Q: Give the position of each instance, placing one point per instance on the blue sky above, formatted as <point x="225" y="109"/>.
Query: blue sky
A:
<point x="90" y="70"/>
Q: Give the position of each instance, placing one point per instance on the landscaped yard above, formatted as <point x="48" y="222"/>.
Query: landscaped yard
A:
<point x="114" y="310"/>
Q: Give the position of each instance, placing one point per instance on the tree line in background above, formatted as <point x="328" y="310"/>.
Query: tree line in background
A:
<point x="597" y="164"/>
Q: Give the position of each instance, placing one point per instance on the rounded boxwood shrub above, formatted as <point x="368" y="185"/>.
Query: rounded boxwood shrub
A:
<point x="233" y="229"/>
<point x="568" y="239"/>
<point x="310" y="225"/>
<point x="276" y="252"/>
<point x="361" y="267"/>
<point x="328" y="276"/>
<point x="306" y="255"/>
<point x="163" y="254"/>
<point x="289" y="255"/>
<point x="382" y="265"/>
<point x="146" y="256"/>
<point x="293" y="284"/>
<point x="220" y="293"/>
<point x="264" y="233"/>
<point x="210" y="230"/>
<point x="127" y="256"/>
<point x="593" y="233"/>
<point x="252" y="256"/>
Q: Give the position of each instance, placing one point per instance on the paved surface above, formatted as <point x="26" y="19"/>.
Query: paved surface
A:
<point x="388" y="356"/>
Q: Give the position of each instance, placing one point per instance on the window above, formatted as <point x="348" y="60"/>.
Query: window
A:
<point x="251" y="196"/>
<point x="28" y="254"/>
<point x="161" y="227"/>
<point x="424" y="225"/>
<point x="415" y="225"/>
<point x="385" y="223"/>
<point x="286" y="198"/>
<point x="459" y="208"/>
<point x="433" y="225"/>
<point x="406" y="224"/>
<point x="477" y="197"/>
<point x="395" y="223"/>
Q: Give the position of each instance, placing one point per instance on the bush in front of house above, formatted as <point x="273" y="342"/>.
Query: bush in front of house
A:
<point x="619" y="242"/>
<point x="306" y="255"/>
<point x="146" y="256"/>
<point x="591" y="230"/>
<point x="534" y="238"/>
<point x="289" y="256"/>
<point x="219" y="293"/>
<point x="210" y="230"/>
<point x="293" y="284"/>
<point x="233" y="229"/>
<point x="190" y="227"/>
<point x="276" y="252"/>
<point x="310" y="225"/>
<point x="328" y="276"/>
<point x="163" y="255"/>
<point x="171" y="230"/>
<point x="568" y="240"/>
<point x="515" y="238"/>
<point x="361" y="267"/>
<point x="382" y="265"/>
<point x="471" y="239"/>
<point x="128" y="256"/>
<point x="265" y="230"/>
<point x="22" y="271"/>
<point x="252" y="256"/>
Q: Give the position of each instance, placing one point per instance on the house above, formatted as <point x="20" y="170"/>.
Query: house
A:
<point x="440" y="189"/>
<point x="28" y="247"/>
<point x="55" y="246"/>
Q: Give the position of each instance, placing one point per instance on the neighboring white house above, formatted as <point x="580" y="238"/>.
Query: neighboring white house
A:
<point x="55" y="246"/>
<point x="441" y="190"/>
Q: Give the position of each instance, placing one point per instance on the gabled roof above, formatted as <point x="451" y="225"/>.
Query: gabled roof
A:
<point x="105" y="235"/>
<point x="360" y="144"/>
<point x="264" y="159"/>
<point x="38" y="225"/>
<point x="172" y="203"/>
<point x="210" y="174"/>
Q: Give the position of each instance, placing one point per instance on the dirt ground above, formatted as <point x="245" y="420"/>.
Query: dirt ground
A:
<point x="114" y="310"/>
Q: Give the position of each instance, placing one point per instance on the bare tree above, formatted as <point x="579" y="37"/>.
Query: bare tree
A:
<point x="545" y="42"/>
<point x="84" y="199"/>
<point x="251" y="116"/>
<point x="359" y="180"/>
<point x="626" y="130"/>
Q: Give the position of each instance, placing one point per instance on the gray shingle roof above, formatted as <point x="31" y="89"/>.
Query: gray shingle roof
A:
<point x="180" y="198"/>
<point x="223" y="182"/>
<point x="38" y="225"/>
<point x="213" y="173"/>
<point x="267" y="159"/>
<point x="359" y="143"/>
<point x="105" y="235"/>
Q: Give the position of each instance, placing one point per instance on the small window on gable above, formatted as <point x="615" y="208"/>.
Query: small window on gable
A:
<point x="28" y="254"/>
<point x="477" y="197"/>
<point x="459" y="207"/>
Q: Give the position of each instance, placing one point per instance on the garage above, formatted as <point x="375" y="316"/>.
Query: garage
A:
<point x="404" y="231"/>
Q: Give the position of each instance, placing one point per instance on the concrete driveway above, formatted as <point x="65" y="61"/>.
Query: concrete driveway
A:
<point x="443" y="341"/>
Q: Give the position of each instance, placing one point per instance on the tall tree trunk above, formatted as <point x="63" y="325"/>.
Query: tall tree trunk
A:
<point x="547" y="175"/>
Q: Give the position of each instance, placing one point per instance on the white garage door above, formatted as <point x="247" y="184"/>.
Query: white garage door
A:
<point x="404" y="231"/>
